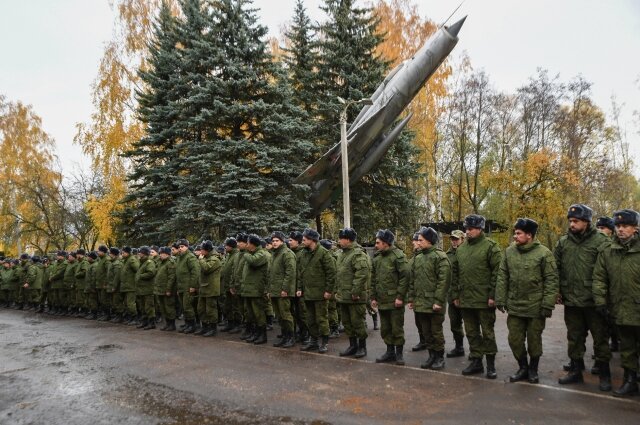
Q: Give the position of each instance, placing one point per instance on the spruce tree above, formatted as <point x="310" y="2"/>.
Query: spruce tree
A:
<point x="349" y="68"/>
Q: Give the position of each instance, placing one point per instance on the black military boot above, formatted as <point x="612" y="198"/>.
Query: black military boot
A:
<point x="569" y="366"/>
<point x="533" y="370"/>
<point x="289" y="340"/>
<point x="362" y="348"/>
<point x="254" y="334"/>
<point x="230" y="325"/>
<point x="262" y="336"/>
<point x="191" y="327"/>
<point x="247" y="332"/>
<point x="491" y="367"/>
<point x="351" y="349"/>
<point x="474" y="367"/>
<point x="324" y="342"/>
<point x="420" y="346"/>
<point x="400" y="355"/>
<point x="143" y="323"/>
<point x="312" y="345"/>
<point x="281" y="339"/>
<point x="269" y="323"/>
<point x="605" y="377"/>
<point x="203" y="329"/>
<point x="438" y="363"/>
<point x="151" y="324"/>
<point x="333" y="332"/>
<point x="629" y="385"/>
<point x="574" y="376"/>
<point x="388" y="356"/>
<point x="213" y="330"/>
<point x="523" y="370"/>
<point x="432" y="358"/>
<point x="172" y="325"/>
<point x="595" y="369"/>
<point x="236" y="329"/>
<point x="458" y="350"/>
<point x="374" y="317"/>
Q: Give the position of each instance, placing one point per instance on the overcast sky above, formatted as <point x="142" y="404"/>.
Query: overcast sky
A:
<point x="51" y="50"/>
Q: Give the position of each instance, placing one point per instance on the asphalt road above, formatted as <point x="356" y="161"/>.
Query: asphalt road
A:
<point x="74" y="371"/>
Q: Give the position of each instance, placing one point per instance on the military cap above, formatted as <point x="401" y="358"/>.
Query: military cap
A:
<point x="207" y="246"/>
<point x="268" y="239"/>
<point x="175" y="245"/>
<point x="457" y="234"/>
<point x="606" y="222"/>
<point x="103" y="248"/>
<point x="254" y="240"/>
<point x="415" y="236"/>
<point x="155" y="248"/>
<point x="231" y="242"/>
<point x="326" y="243"/>
<point x="134" y="251"/>
<point x="93" y="255"/>
<point x="144" y="250"/>
<point x="386" y="235"/>
<point x="81" y="251"/>
<point x="165" y="250"/>
<point x="429" y="234"/>
<point x="25" y="256"/>
<point x="114" y="251"/>
<point x="36" y="259"/>
<point x="61" y="253"/>
<point x="183" y="242"/>
<point x="127" y="249"/>
<point x="625" y="216"/>
<point x="220" y="249"/>
<point x="278" y="235"/>
<point x="580" y="211"/>
<point x="296" y="236"/>
<point x="311" y="234"/>
<point x="527" y="225"/>
<point x="474" y="221"/>
<point x="242" y="237"/>
<point x="347" y="233"/>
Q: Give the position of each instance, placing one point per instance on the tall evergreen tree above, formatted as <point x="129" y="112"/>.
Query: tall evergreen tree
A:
<point x="246" y="140"/>
<point x="349" y="68"/>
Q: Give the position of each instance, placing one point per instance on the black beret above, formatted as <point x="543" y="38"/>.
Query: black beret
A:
<point x="242" y="237"/>
<point x="183" y="242"/>
<point x="385" y="235"/>
<point x="580" y="211"/>
<point x="144" y="250"/>
<point x="296" y="236"/>
<point x="429" y="234"/>
<point x="165" y="250"/>
<point x="93" y="255"/>
<point x="114" y="251"/>
<point x="347" y="233"/>
<point x="606" y="222"/>
<point x="207" y="246"/>
<point x="103" y="248"/>
<point x="625" y="216"/>
<point x="474" y="221"/>
<point x="127" y="249"/>
<point x="81" y="252"/>
<point x="326" y="243"/>
<point x="527" y="225"/>
<point x="231" y="242"/>
<point x="279" y="235"/>
<point x="311" y="234"/>
<point x="254" y="240"/>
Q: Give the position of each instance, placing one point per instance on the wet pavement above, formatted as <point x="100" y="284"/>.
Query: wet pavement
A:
<point x="75" y="371"/>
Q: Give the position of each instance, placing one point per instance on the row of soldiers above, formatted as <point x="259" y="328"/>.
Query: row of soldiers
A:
<point x="297" y="278"/>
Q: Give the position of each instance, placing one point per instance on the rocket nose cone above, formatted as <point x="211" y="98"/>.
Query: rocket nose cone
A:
<point x="455" y="28"/>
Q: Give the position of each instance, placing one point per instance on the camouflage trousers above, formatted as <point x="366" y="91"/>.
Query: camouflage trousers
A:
<point x="478" y="325"/>
<point x="525" y="329"/>
<point x="317" y="317"/>
<point x="580" y="321"/>
<point x="392" y="326"/>
<point x="167" y="306"/>
<point x="431" y="325"/>
<point x="455" y="321"/>
<point x="208" y="309"/>
<point x="353" y="317"/>
<point x="255" y="310"/>
<point x="282" y="310"/>
<point x="629" y="346"/>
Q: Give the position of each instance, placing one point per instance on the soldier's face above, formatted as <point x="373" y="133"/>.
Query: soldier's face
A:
<point x="423" y="243"/>
<point x="309" y="243"/>
<point x="293" y="243"/>
<point x="154" y="253"/>
<point x="577" y="226"/>
<point x="381" y="246"/>
<point x="456" y="242"/>
<point x="344" y="243"/>
<point x="605" y="230"/>
<point x="183" y="249"/>
<point x="164" y="256"/>
<point x="277" y="243"/>
<point x="242" y="245"/>
<point x="416" y="245"/>
<point x="521" y="238"/>
<point x="175" y="251"/>
<point x="473" y="232"/>
<point x="625" y="231"/>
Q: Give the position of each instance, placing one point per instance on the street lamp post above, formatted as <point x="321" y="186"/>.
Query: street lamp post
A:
<point x="344" y="153"/>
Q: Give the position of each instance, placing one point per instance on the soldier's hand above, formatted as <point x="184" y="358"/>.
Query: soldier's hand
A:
<point x="192" y="290"/>
<point x="232" y="291"/>
<point x="354" y="297"/>
<point x="26" y="285"/>
<point x="410" y="305"/>
<point x="559" y="299"/>
<point x="436" y="307"/>
<point x="374" y="304"/>
<point x="284" y="294"/>
<point x="491" y="302"/>
<point x="456" y="302"/>
<point x="327" y="295"/>
<point x="501" y="308"/>
<point x="168" y="293"/>
<point x="298" y="293"/>
<point x="546" y="312"/>
<point x="398" y="303"/>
